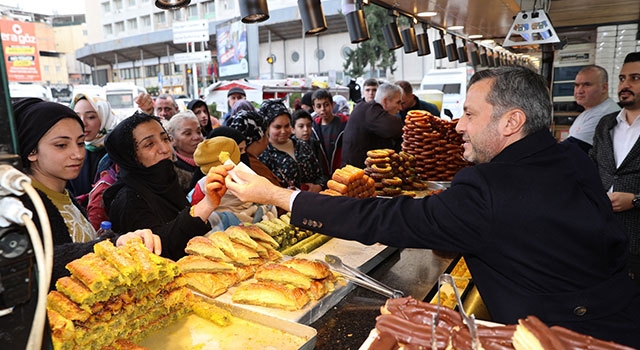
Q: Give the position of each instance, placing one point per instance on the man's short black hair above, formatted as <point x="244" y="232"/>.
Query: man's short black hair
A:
<point x="632" y="57"/>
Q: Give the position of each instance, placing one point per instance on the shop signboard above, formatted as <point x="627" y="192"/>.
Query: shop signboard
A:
<point x="20" y="48"/>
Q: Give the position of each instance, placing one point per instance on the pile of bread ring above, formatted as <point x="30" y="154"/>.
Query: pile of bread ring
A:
<point x="394" y="173"/>
<point x="350" y="181"/>
<point x="435" y="144"/>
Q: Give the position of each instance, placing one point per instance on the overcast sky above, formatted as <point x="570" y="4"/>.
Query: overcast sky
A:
<point x="63" y="7"/>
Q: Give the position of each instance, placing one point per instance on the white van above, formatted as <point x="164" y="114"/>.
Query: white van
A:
<point x="19" y="91"/>
<point x="453" y="84"/>
<point x="121" y="96"/>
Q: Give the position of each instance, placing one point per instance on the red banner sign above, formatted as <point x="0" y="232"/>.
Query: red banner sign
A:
<point x="20" y="48"/>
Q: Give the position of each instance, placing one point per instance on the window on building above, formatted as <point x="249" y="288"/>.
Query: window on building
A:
<point x="117" y="4"/>
<point x="58" y="69"/>
<point x="46" y="68"/>
<point x="160" y="18"/>
<point x="146" y="21"/>
<point x="131" y="3"/>
<point x="107" y="29"/>
<point x="119" y="27"/>
<point x="177" y="16"/>
<point x="209" y="9"/>
<point x="132" y="24"/>
<point x="177" y="68"/>
<point x="192" y="12"/>
<point x="106" y="7"/>
<point x="166" y="69"/>
<point x="151" y="71"/>
<point x="228" y="4"/>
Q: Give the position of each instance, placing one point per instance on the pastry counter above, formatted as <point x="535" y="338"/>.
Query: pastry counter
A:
<point x="348" y="323"/>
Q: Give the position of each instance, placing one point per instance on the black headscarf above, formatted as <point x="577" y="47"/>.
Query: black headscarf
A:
<point x="157" y="184"/>
<point x="34" y="117"/>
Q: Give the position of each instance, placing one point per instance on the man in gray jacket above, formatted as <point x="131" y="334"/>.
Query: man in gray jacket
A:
<point x="616" y="151"/>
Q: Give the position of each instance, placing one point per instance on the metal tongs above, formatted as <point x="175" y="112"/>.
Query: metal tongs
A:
<point x="360" y="278"/>
<point x="469" y="320"/>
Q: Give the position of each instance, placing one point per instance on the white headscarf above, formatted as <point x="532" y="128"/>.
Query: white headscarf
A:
<point x="108" y="118"/>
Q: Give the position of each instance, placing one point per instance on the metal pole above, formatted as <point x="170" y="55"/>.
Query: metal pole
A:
<point x="270" y="54"/>
<point x="304" y="58"/>
<point x="194" y="73"/>
<point x="143" y="74"/>
<point x="116" y="64"/>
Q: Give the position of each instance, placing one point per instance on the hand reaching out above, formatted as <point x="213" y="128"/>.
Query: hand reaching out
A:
<point x="151" y="241"/>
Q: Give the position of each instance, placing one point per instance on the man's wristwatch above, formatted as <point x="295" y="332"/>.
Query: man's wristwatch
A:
<point x="636" y="201"/>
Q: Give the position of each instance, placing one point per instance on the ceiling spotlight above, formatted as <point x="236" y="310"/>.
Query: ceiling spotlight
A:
<point x="253" y="11"/>
<point x="423" y="41"/>
<point x="475" y="36"/>
<point x="491" y="59"/>
<point x="463" y="53"/>
<point x="312" y="16"/>
<point x="452" y="50"/>
<point x="439" y="49"/>
<point x="484" y="59"/>
<point x="357" y="25"/>
<point x="392" y="33"/>
<point x="171" y="4"/>
<point x="475" y="56"/>
<point x="456" y="28"/>
<point x="409" y="38"/>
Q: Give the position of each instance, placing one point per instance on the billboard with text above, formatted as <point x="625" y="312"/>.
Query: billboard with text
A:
<point x="20" y="48"/>
<point x="231" y="40"/>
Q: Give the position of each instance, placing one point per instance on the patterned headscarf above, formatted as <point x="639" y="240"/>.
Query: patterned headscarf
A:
<point x="250" y="124"/>
<point x="272" y="109"/>
<point x="108" y="119"/>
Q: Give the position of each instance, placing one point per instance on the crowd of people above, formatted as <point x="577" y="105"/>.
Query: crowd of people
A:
<point x="532" y="218"/>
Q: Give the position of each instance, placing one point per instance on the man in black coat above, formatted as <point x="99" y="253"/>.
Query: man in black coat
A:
<point x="531" y="218"/>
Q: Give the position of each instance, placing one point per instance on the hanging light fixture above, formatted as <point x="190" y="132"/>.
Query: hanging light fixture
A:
<point x="452" y="49"/>
<point x="253" y="11"/>
<point x="423" y="41"/>
<point x="312" y="16"/>
<point x="491" y="62"/>
<point x="463" y="53"/>
<point x="439" y="49"/>
<point x="484" y="60"/>
<point x="392" y="33"/>
<point x="475" y="56"/>
<point x="172" y="4"/>
<point x="409" y="38"/>
<point x="357" y="25"/>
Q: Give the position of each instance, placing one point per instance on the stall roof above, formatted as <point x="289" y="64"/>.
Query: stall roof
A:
<point x="574" y="21"/>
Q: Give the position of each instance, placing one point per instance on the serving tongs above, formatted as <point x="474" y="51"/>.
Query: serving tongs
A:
<point x="470" y="321"/>
<point x="361" y="279"/>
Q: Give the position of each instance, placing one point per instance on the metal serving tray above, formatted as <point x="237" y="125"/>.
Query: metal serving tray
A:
<point x="249" y="330"/>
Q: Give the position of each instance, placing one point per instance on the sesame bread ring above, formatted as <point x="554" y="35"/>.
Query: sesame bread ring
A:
<point x="378" y="153"/>
<point x="394" y="181"/>
<point x="382" y="169"/>
<point x="370" y="161"/>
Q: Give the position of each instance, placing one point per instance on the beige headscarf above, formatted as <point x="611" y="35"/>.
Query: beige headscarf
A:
<point x="108" y="119"/>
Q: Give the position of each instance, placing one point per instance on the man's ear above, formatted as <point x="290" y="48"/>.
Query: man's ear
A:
<point x="514" y="122"/>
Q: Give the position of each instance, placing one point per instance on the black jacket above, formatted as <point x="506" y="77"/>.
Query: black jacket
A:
<point x="534" y="225"/>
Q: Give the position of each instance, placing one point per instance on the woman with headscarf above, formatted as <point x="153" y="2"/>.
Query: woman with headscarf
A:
<point x="98" y="119"/>
<point x="147" y="193"/>
<point x="252" y="125"/>
<point x="51" y="138"/>
<point x="292" y="160"/>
